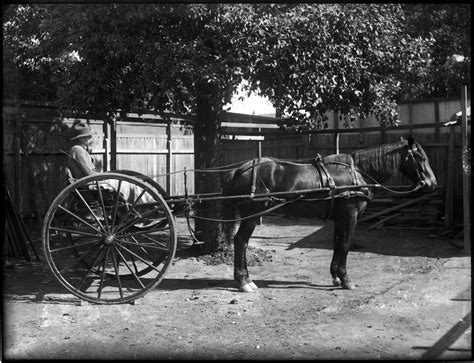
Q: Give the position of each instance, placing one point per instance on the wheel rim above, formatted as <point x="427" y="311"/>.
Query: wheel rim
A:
<point x="103" y="249"/>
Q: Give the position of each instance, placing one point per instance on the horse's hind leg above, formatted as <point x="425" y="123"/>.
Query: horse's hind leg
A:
<point x="241" y="239"/>
<point x="344" y="225"/>
<point x="335" y="262"/>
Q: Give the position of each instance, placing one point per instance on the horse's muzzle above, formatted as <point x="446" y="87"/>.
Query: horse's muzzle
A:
<point x="428" y="185"/>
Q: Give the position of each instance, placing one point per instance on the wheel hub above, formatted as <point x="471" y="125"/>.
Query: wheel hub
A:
<point x="109" y="239"/>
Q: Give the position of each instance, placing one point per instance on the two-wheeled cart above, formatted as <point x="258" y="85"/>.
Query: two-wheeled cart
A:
<point x="107" y="249"/>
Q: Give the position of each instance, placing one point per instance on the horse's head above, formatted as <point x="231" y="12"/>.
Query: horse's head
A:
<point x="415" y="165"/>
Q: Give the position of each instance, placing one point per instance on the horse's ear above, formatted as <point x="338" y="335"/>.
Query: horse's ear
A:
<point x="411" y="142"/>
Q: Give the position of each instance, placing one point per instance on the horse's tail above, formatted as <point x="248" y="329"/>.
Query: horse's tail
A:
<point x="228" y="204"/>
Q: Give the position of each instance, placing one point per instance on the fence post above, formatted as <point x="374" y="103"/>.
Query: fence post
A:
<point x="169" y="158"/>
<point x="466" y="173"/>
<point x="437" y="123"/>
<point x="17" y="146"/>
<point x="448" y="209"/>
<point x="259" y="153"/>
<point x="105" y="145"/>
<point x="113" y="144"/>
<point x="410" y="116"/>
<point x="383" y="135"/>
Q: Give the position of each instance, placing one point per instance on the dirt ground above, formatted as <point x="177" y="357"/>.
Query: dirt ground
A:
<point x="413" y="301"/>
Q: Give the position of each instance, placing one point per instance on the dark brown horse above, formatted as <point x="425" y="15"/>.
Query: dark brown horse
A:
<point x="269" y="176"/>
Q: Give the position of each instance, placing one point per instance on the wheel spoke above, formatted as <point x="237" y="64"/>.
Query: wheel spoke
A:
<point x="104" y="211"/>
<point x="73" y="246"/>
<point x="104" y="263"/>
<point x="126" y="264"/>
<point x="117" y="273"/>
<point x="142" y="245"/>
<point x="76" y="263"/>
<point x="79" y="218"/>
<point x="144" y="231"/>
<point x="72" y="231"/>
<point x="137" y="244"/>
<point x="116" y="203"/>
<point x="140" y="258"/>
<point x="162" y="245"/>
<point x="89" y="208"/>
<point x="119" y="227"/>
<point x="135" y="220"/>
<point x="90" y="268"/>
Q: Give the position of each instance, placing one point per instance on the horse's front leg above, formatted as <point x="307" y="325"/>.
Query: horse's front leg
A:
<point x="344" y="226"/>
<point x="241" y="239"/>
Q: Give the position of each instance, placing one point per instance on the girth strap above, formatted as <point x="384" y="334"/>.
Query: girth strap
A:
<point x="318" y="163"/>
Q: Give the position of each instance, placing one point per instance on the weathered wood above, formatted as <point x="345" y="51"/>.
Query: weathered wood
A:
<point x="16" y="233"/>
<point x="169" y="158"/>
<point x="466" y="182"/>
<point x="380" y="223"/>
<point x="17" y="144"/>
<point x="448" y="211"/>
<point x="398" y="207"/>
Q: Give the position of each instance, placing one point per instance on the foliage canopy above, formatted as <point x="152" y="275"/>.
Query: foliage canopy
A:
<point x="358" y="59"/>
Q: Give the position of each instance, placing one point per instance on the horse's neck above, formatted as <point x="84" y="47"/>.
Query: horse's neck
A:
<point x="380" y="162"/>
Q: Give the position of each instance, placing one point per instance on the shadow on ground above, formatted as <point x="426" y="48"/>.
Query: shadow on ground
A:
<point x="391" y="242"/>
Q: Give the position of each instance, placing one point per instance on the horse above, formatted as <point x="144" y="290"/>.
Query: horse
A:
<point x="275" y="178"/>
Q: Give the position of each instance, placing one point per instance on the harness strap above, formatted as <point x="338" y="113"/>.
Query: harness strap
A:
<point x="318" y="163"/>
<point x="254" y="177"/>
<point x="355" y="181"/>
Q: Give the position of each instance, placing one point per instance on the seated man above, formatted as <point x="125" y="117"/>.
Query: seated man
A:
<point x="80" y="164"/>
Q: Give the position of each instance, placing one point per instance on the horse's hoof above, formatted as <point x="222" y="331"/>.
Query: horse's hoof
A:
<point x="246" y="288"/>
<point x="336" y="281"/>
<point x="253" y="286"/>
<point x="348" y="285"/>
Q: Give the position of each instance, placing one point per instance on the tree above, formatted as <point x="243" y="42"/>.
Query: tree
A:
<point x="26" y="74"/>
<point x="189" y="59"/>
<point x="449" y="26"/>
<point x="345" y="57"/>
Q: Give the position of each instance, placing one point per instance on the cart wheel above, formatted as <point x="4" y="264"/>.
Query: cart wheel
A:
<point x="93" y="246"/>
<point x="145" y="178"/>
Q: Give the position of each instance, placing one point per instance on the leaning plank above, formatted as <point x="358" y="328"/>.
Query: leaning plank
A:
<point x="380" y="223"/>
<point x="400" y="206"/>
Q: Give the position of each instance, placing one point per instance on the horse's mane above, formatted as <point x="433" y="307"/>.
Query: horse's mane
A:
<point x="382" y="159"/>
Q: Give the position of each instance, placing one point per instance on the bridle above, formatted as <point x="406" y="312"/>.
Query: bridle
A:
<point x="418" y="186"/>
<point x="411" y="155"/>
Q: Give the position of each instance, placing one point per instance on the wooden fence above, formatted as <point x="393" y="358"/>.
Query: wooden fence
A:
<point x="35" y="168"/>
<point x="34" y="134"/>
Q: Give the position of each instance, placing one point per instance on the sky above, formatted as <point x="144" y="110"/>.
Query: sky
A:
<point x="253" y="105"/>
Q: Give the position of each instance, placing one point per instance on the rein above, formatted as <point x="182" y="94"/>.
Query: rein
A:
<point x="419" y="185"/>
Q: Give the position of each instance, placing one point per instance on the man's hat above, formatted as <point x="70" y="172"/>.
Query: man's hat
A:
<point x="80" y="129"/>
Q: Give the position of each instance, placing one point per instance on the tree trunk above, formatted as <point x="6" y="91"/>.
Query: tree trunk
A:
<point x="207" y="154"/>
